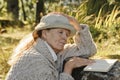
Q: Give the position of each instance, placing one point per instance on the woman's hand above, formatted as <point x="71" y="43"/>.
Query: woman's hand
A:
<point x="74" y="22"/>
<point x="76" y="62"/>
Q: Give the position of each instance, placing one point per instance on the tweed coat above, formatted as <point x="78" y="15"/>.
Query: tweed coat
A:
<point x="37" y="62"/>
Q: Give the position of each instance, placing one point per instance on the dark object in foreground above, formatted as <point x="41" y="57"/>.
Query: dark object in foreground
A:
<point x="113" y="74"/>
<point x="79" y="74"/>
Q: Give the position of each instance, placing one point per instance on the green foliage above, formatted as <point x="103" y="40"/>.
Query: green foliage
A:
<point x="30" y="7"/>
<point x="109" y="25"/>
<point x="3" y="10"/>
<point x="103" y="27"/>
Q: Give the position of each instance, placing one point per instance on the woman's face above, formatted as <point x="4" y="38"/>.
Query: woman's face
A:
<point x="56" y="38"/>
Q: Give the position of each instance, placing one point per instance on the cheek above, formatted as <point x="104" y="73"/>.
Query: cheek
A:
<point x="55" y="43"/>
<point x="55" y="39"/>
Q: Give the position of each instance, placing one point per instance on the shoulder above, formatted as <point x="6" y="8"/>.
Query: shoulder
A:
<point x="31" y="56"/>
<point x="30" y="61"/>
<point x="31" y="64"/>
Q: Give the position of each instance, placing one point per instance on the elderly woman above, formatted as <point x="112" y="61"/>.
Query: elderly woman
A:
<point x="41" y="56"/>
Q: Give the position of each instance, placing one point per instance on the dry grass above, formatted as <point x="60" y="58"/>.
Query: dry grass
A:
<point x="8" y="41"/>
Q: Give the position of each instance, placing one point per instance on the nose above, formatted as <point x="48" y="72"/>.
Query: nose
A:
<point x="64" y="36"/>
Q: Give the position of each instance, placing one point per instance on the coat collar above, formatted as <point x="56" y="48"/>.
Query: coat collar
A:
<point x="51" y="51"/>
<point x="42" y="48"/>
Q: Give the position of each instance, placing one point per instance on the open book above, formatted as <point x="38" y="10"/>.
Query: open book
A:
<point x="101" y="65"/>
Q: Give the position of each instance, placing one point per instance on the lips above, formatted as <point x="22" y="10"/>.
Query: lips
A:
<point x="62" y="43"/>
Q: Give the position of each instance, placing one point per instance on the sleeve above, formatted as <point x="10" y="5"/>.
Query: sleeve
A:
<point x="83" y="46"/>
<point x="83" y="39"/>
<point x="64" y="76"/>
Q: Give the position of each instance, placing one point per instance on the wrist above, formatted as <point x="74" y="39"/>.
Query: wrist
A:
<point x="68" y="70"/>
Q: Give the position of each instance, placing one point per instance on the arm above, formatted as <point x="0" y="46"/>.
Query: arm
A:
<point x="84" y="41"/>
<point x="83" y="38"/>
<point x="84" y="44"/>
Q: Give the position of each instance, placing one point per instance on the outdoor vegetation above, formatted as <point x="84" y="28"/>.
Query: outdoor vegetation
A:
<point x="102" y="16"/>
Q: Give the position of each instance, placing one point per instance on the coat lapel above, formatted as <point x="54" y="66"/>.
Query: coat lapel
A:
<point x="42" y="49"/>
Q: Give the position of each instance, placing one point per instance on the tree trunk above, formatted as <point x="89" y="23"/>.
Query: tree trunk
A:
<point x="39" y="10"/>
<point x="24" y="14"/>
<point x="13" y="9"/>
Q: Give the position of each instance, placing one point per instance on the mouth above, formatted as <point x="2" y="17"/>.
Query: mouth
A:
<point x="62" y="43"/>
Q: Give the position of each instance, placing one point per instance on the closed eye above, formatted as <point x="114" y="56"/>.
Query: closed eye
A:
<point x="61" y="32"/>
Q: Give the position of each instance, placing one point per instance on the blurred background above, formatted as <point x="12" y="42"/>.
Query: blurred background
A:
<point x="19" y="17"/>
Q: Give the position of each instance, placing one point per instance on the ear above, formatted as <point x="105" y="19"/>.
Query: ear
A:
<point x="44" y="34"/>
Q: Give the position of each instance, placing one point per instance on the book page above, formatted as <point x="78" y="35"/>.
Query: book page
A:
<point x="101" y="65"/>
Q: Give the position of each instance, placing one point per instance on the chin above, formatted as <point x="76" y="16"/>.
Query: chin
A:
<point x="59" y="50"/>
